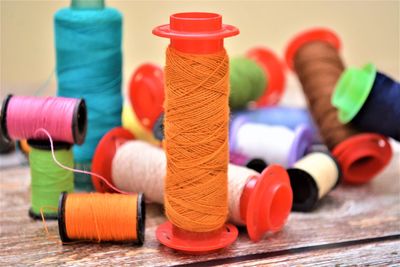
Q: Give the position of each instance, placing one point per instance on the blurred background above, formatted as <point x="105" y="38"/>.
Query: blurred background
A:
<point x="369" y="32"/>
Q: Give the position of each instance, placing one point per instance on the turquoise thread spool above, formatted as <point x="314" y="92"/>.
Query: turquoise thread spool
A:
<point x="88" y="39"/>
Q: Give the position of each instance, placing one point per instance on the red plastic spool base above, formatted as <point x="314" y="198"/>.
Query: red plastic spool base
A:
<point x="266" y="202"/>
<point x="104" y="154"/>
<point x="316" y="34"/>
<point x="362" y="156"/>
<point x="196" y="243"/>
<point x="146" y="93"/>
<point x="274" y="69"/>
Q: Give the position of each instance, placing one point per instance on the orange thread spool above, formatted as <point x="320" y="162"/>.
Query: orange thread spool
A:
<point x="101" y="217"/>
<point x="196" y="133"/>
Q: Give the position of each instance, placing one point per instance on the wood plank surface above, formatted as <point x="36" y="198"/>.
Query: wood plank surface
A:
<point x="350" y="218"/>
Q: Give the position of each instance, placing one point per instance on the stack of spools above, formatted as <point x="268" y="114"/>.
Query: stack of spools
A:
<point x="39" y="119"/>
<point x="89" y="65"/>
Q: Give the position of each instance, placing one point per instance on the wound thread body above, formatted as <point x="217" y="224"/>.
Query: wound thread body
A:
<point x="319" y="66"/>
<point x="101" y="217"/>
<point x="196" y="140"/>
<point x="248" y="82"/>
<point x="381" y="111"/>
<point x="48" y="179"/>
<point x="89" y="66"/>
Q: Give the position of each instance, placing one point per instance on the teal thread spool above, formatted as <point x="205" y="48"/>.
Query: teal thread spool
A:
<point x="48" y="179"/>
<point x="248" y="82"/>
<point x="88" y="40"/>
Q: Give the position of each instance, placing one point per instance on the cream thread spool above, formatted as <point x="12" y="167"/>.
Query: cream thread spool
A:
<point x="262" y="202"/>
<point x="272" y="144"/>
<point x="312" y="178"/>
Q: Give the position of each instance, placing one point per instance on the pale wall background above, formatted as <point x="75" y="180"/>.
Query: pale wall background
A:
<point x="369" y="31"/>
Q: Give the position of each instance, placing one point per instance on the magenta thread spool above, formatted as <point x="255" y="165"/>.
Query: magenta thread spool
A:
<point x="64" y="118"/>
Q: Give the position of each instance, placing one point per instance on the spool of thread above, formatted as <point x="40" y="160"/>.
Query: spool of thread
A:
<point x="89" y="65"/>
<point x="48" y="179"/>
<point x="196" y="130"/>
<point x="262" y="202"/>
<point x="258" y="76"/>
<point x="365" y="96"/>
<point x="289" y="117"/>
<point x="101" y="217"/>
<point x="64" y="118"/>
<point x="315" y="58"/>
<point x="273" y="144"/>
<point x="312" y="178"/>
<point x="146" y="93"/>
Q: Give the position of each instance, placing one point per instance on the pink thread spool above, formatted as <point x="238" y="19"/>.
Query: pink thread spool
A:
<point x="64" y="118"/>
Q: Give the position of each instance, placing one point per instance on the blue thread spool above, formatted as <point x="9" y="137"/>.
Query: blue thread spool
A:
<point x="88" y="40"/>
<point x="289" y="117"/>
<point x="370" y="100"/>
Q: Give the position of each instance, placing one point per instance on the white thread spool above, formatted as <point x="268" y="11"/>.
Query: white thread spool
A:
<point x="140" y="167"/>
<point x="272" y="144"/>
<point x="312" y="177"/>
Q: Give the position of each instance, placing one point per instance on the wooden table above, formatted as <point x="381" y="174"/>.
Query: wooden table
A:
<point x="352" y="225"/>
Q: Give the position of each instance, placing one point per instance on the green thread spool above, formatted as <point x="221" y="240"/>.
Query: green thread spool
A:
<point x="247" y="80"/>
<point x="48" y="179"/>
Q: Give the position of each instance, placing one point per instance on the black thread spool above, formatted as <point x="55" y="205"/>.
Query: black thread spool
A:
<point x="78" y="126"/>
<point x="311" y="178"/>
<point x="140" y="219"/>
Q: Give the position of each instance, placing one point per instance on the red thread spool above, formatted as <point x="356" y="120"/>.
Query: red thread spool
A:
<point x="361" y="156"/>
<point x="275" y="72"/>
<point x="265" y="201"/>
<point x="196" y="33"/>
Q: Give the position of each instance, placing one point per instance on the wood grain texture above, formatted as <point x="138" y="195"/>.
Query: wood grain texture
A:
<point x="349" y="214"/>
<point x="376" y="254"/>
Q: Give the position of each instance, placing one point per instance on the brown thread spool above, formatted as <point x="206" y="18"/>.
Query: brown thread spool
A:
<point x="314" y="56"/>
<point x="319" y="66"/>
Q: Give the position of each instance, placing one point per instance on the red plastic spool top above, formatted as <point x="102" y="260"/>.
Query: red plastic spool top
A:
<point x="104" y="154"/>
<point x="196" y="32"/>
<point x="266" y="202"/>
<point x="362" y="156"/>
<point x="146" y="93"/>
<point x="274" y="69"/>
<point x="316" y="34"/>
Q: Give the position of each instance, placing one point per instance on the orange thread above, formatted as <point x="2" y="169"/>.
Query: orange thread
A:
<point x="196" y="134"/>
<point x="101" y="217"/>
